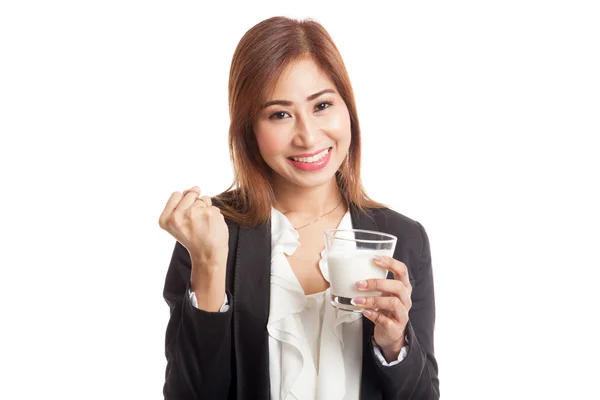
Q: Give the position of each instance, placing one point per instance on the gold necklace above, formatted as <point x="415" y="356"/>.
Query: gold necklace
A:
<point x="327" y="213"/>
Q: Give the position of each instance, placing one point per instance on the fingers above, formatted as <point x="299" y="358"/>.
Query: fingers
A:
<point x="398" y="268"/>
<point x="186" y="201"/>
<point x="163" y="220"/>
<point x="205" y="202"/>
<point x="174" y="203"/>
<point x="192" y="189"/>
<point x="390" y="303"/>
<point x="389" y="286"/>
<point x="381" y="320"/>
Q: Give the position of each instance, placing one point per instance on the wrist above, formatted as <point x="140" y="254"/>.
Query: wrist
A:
<point x="208" y="284"/>
<point x="207" y="270"/>
<point x="391" y="352"/>
<point x="200" y="262"/>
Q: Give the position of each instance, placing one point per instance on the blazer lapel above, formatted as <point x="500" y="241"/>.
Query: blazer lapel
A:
<point x="251" y="300"/>
<point x="362" y="220"/>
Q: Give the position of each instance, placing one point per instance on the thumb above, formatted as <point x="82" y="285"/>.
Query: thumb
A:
<point x="192" y="189"/>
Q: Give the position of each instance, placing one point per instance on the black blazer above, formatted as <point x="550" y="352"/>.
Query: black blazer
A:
<point x="213" y="355"/>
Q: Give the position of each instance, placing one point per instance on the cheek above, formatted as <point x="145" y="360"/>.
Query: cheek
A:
<point x="271" y="142"/>
<point x="339" y="125"/>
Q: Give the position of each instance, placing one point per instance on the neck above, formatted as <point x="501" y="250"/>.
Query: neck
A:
<point x="302" y="201"/>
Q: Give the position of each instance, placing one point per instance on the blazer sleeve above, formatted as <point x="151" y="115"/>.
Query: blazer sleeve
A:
<point x="197" y="342"/>
<point x="416" y="377"/>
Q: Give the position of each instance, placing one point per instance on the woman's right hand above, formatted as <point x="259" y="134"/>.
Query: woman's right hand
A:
<point x="200" y="228"/>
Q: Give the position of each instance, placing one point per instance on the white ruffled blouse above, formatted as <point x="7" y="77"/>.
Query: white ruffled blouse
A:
<point x="306" y="334"/>
<point x="315" y="350"/>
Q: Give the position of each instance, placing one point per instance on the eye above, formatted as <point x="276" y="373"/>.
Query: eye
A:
<point x="278" y="115"/>
<point x="323" y="105"/>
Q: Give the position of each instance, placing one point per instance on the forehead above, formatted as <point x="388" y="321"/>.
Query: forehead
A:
<point x="300" y="79"/>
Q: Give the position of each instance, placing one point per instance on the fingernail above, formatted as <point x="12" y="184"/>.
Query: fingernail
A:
<point x="377" y="259"/>
<point x="361" y="284"/>
<point x="358" y="300"/>
<point x="367" y="313"/>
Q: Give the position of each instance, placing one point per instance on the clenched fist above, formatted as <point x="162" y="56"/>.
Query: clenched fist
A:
<point x="199" y="227"/>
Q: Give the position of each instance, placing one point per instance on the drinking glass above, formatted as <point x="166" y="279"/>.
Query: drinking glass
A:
<point x="349" y="254"/>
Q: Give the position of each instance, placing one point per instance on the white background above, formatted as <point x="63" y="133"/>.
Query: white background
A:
<point x="485" y="113"/>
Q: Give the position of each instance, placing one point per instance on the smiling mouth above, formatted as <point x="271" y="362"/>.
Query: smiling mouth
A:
<point x="317" y="157"/>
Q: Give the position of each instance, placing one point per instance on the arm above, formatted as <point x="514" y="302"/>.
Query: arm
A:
<point x="416" y="377"/>
<point x="198" y="342"/>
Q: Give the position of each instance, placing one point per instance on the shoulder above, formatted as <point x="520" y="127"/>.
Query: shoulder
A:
<point x="412" y="246"/>
<point x="397" y="224"/>
<point x="411" y="235"/>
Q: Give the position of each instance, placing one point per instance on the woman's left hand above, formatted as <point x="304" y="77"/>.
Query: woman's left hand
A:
<point x="388" y="312"/>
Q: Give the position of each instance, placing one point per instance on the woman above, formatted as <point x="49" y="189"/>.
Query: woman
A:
<point x="247" y="284"/>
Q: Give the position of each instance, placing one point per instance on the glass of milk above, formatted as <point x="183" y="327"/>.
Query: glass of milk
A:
<point x="349" y="254"/>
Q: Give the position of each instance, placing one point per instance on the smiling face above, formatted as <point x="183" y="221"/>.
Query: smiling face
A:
<point x="303" y="129"/>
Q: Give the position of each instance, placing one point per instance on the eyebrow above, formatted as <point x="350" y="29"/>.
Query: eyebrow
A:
<point x="289" y="103"/>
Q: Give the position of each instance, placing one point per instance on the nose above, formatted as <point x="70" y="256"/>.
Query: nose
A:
<point x="307" y="132"/>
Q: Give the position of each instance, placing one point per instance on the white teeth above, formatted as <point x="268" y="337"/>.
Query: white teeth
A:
<point x="311" y="159"/>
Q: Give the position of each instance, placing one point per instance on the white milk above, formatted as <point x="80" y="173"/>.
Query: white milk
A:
<point x="348" y="267"/>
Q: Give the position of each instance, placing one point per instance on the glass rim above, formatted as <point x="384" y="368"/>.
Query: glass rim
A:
<point x="392" y="240"/>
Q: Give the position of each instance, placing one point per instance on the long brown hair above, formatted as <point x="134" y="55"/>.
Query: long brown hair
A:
<point x="259" y="59"/>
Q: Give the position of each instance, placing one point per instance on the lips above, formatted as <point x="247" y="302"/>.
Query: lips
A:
<point x="311" y="157"/>
<point x="314" y="162"/>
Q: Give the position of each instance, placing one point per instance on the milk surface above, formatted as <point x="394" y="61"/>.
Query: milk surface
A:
<point x="347" y="267"/>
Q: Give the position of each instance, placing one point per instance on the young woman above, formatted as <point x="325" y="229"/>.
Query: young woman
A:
<point x="248" y="286"/>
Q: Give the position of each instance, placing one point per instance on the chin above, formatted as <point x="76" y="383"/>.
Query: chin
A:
<point x="309" y="183"/>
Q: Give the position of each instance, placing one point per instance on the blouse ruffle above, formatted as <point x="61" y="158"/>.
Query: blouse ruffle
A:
<point x="292" y="370"/>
